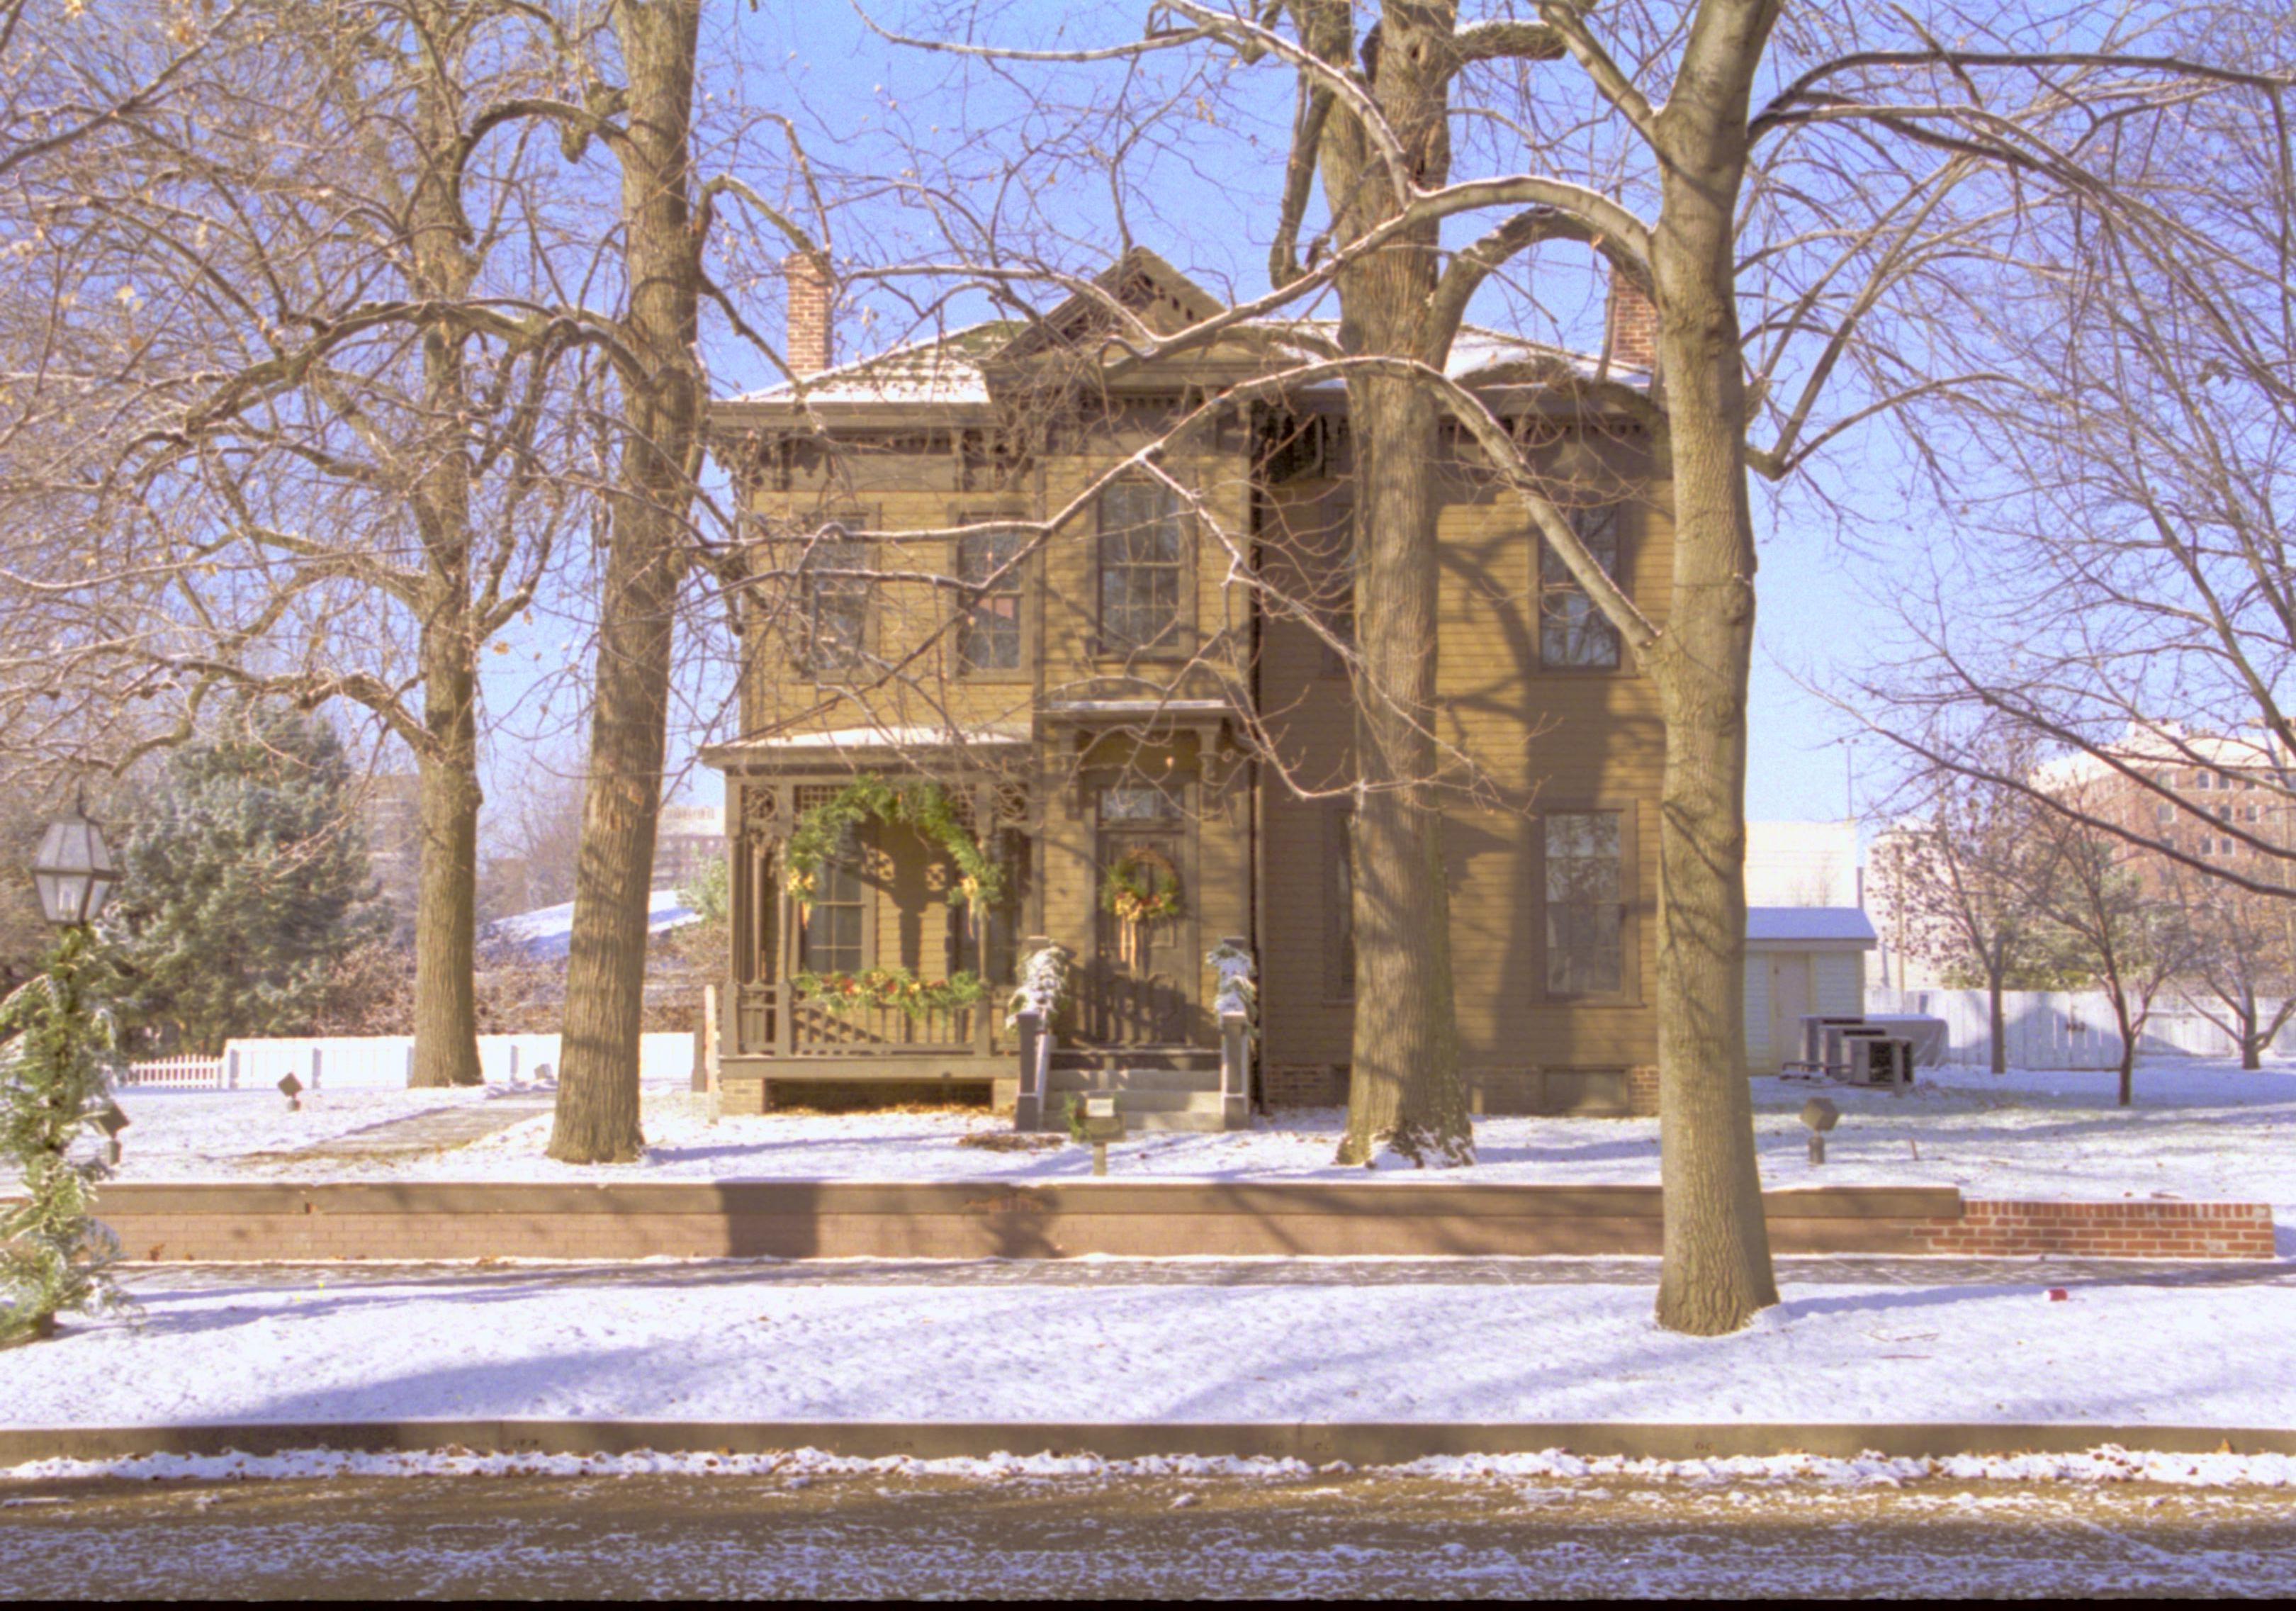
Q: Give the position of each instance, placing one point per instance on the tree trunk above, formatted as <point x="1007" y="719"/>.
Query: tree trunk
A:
<point x="446" y="910"/>
<point x="1716" y="1273"/>
<point x="1404" y="1091"/>
<point x="597" y="1117"/>
<point x="446" y="916"/>
<point x="1999" y="1022"/>
<point x="2128" y="1029"/>
<point x="2251" y="1042"/>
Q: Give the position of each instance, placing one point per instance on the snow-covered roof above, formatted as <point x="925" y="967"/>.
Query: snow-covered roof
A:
<point x="546" y="934"/>
<point x="871" y="738"/>
<point x="949" y="370"/>
<point x="1808" y="926"/>
<point x="944" y="370"/>
<point x="2161" y="744"/>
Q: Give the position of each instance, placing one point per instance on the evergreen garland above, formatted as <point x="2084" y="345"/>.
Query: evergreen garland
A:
<point x="889" y="987"/>
<point x="53" y="1035"/>
<point x="926" y="807"/>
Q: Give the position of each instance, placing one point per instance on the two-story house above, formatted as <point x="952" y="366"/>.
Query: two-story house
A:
<point x="1141" y="720"/>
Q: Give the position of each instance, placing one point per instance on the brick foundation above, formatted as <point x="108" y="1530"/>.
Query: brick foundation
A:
<point x="1302" y="1085"/>
<point x="1642" y="1093"/>
<point x="1145" y="1218"/>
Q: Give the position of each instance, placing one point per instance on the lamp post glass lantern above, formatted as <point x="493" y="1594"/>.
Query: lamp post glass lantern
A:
<point x="74" y="871"/>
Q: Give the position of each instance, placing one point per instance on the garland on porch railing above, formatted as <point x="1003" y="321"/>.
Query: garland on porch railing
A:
<point x="1141" y="888"/>
<point x="923" y="806"/>
<point x="889" y="987"/>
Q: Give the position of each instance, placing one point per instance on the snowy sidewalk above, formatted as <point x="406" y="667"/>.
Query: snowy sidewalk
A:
<point x="662" y="1344"/>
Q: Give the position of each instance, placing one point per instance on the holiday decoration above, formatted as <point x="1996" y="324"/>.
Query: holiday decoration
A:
<point x="1141" y="887"/>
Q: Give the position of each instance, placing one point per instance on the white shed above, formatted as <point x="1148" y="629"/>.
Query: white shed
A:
<point x="1801" y="960"/>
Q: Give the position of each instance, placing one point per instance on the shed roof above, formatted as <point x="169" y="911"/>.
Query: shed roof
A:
<point x="1808" y="926"/>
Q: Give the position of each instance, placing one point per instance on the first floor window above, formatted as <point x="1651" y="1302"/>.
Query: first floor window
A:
<point x="1585" y="911"/>
<point x="830" y="935"/>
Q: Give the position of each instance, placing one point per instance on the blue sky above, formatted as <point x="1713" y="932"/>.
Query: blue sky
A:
<point x="855" y="98"/>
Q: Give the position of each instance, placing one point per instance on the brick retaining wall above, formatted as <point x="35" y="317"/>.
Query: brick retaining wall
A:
<point x="2107" y="1230"/>
<point x="994" y="1219"/>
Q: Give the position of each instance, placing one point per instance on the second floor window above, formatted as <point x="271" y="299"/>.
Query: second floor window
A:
<point x="1573" y="632"/>
<point x="989" y="638"/>
<point x="1141" y="550"/>
<point x="836" y="595"/>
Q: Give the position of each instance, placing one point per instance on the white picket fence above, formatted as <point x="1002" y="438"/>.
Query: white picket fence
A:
<point x="378" y="1062"/>
<point x="2061" y="1029"/>
<point x="171" y="1074"/>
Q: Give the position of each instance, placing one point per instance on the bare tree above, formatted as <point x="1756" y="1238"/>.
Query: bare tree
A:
<point x="2239" y="957"/>
<point x="1965" y="881"/>
<point x="2132" y="944"/>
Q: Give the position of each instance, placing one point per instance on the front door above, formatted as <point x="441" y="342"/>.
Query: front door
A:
<point x="1138" y="986"/>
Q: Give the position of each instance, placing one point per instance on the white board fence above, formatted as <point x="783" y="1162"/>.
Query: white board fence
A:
<point x="378" y="1062"/>
<point x="2062" y="1028"/>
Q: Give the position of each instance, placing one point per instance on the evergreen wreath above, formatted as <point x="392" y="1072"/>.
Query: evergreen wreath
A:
<point x="923" y="806"/>
<point x="1130" y="892"/>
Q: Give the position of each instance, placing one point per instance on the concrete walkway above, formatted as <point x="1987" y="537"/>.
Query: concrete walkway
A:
<point x="440" y="1130"/>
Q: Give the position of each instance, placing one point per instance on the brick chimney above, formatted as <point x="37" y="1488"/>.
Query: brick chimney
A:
<point x="808" y="349"/>
<point x="1632" y="335"/>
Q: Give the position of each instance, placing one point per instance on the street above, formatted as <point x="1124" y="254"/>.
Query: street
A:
<point x="1327" y="1534"/>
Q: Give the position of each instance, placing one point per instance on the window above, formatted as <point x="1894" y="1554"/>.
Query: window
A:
<point x="1140" y="567"/>
<point x="989" y="638"/>
<point x="1338" y="904"/>
<point x="2224" y="813"/>
<point x="1122" y="804"/>
<point x="2200" y="780"/>
<point x="836" y="593"/>
<point x="2164" y="812"/>
<point x="830" y="938"/>
<point x="1585" y="939"/>
<point x="1573" y="634"/>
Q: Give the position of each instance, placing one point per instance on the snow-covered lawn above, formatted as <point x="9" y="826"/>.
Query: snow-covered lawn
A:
<point x="728" y="1342"/>
<point x="2199" y="1130"/>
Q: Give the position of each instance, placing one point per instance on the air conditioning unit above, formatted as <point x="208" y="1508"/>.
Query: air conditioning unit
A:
<point x="1885" y="1062"/>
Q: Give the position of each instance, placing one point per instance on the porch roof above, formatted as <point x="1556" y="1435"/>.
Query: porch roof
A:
<point x="868" y="740"/>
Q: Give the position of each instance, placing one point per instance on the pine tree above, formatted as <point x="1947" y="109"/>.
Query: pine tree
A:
<point x="244" y="882"/>
<point x="54" y="1031"/>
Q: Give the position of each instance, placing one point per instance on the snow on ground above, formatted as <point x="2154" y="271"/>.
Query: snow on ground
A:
<point x="2109" y="1463"/>
<point x="2199" y="1131"/>
<point x="713" y="1342"/>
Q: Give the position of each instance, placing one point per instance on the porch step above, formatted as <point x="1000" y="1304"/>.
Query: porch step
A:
<point x="1153" y="1099"/>
<point x="1135" y="1079"/>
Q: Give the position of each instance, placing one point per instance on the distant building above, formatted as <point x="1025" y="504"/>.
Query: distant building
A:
<point x="688" y="838"/>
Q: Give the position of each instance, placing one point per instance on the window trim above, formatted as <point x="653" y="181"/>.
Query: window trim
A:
<point x="1179" y="641"/>
<point x="1622" y="562"/>
<point x="1629" y="993"/>
<point x="1335" y="839"/>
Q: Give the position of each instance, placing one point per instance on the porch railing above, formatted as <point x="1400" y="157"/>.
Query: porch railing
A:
<point x="766" y="1024"/>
